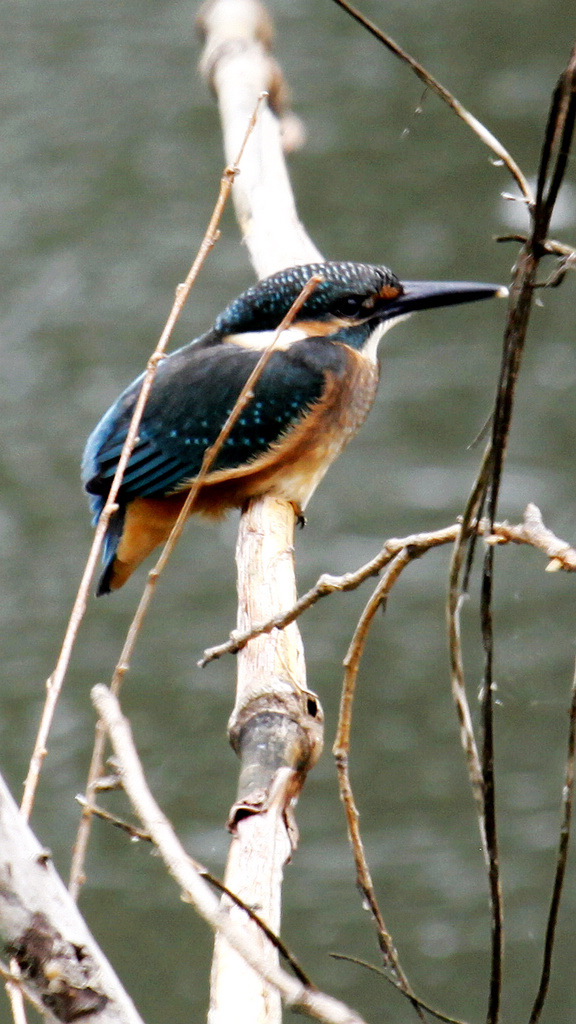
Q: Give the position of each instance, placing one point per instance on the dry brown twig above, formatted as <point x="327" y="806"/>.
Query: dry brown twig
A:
<point x="561" y="861"/>
<point x="341" y="751"/>
<point x="532" y="532"/>
<point x="392" y="981"/>
<point x="210" y="237"/>
<point x="554" y="157"/>
<point x="56" y="680"/>
<point x="553" y="163"/>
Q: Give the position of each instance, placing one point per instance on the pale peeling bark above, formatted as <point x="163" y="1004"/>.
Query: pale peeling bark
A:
<point x="237" y="63"/>
<point x="276" y="728"/>
<point x="276" y="725"/>
<point x="61" y="965"/>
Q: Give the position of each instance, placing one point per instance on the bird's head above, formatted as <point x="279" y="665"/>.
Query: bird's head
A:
<point x="354" y="303"/>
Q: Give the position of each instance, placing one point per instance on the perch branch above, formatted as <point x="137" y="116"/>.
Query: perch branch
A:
<point x="276" y="724"/>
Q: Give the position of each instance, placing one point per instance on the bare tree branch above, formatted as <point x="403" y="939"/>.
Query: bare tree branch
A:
<point x="60" y="964"/>
<point x="532" y="532"/>
<point x="296" y="995"/>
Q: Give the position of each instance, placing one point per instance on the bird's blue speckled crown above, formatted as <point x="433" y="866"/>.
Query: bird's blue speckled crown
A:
<point x="263" y="306"/>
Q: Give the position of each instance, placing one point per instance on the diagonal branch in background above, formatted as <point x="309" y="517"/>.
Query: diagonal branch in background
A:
<point x="60" y="963"/>
<point x="432" y="83"/>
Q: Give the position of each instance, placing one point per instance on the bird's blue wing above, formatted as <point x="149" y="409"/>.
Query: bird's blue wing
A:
<point x="193" y="393"/>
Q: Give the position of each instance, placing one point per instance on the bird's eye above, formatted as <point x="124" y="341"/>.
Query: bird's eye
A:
<point x="350" y="305"/>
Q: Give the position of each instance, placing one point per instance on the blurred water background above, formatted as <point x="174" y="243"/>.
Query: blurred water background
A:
<point x="109" y="167"/>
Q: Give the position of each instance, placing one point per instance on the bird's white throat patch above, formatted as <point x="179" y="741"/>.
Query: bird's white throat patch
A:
<point x="370" y="348"/>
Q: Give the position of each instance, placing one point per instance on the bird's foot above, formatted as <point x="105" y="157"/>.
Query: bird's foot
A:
<point x="300" y="517"/>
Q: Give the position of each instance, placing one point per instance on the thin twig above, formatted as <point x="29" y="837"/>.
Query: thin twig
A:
<point x="132" y="831"/>
<point x="553" y="162"/>
<point x="15" y="994"/>
<point x="432" y="83"/>
<point x="139" y="834"/>
<point x="328" y="584"/>
<point x="392" y="981"/>
<point x="567" y="799"/>
<point x="489" y="792"/>
<point x="341" y="753"/>
<point x="453" y="607"/>
<point x="209" y="240"/>
<point x="551" y="246"/>
<point x="531" y="531"/>
<point x="17" y="991"/>
<point x="480" y="769"/>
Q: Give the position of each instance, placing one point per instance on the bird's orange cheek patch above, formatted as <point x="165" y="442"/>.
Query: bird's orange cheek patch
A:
<point x="387" y="293"/>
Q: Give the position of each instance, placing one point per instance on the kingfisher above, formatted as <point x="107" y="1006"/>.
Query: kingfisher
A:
<point x="311" y="398"/>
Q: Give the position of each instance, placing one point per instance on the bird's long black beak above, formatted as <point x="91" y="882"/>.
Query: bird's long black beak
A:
<point x="429" y="294"/>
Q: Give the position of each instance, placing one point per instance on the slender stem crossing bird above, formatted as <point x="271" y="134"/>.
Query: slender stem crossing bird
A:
<point x="314" y="393"/>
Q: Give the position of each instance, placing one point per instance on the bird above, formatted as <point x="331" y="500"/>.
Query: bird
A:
<point x="310" y="400"/>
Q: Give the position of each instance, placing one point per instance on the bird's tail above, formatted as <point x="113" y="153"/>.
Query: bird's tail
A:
<point x="111" y="540"/>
